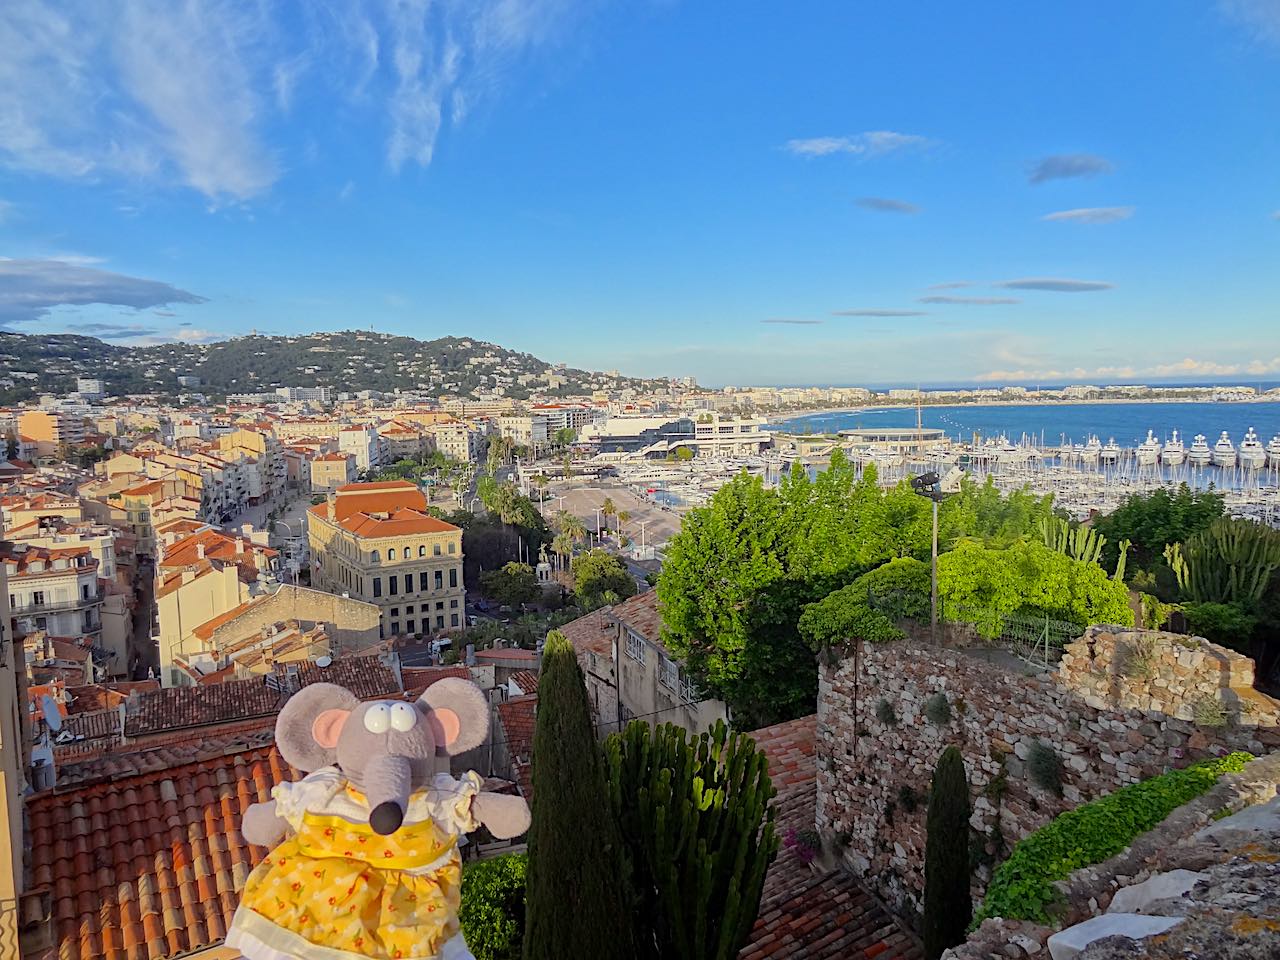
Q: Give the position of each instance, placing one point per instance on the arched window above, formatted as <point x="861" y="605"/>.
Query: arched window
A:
<point x="422" y="549"/>
<point x="406" y="553"/>
<point x="391" y="553"/>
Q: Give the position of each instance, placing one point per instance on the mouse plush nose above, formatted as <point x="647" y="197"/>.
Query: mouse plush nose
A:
<point x="386" y="817"/>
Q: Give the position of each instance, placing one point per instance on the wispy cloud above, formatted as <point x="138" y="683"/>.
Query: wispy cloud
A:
<point x="972" y="301"/>
<point x="878" y="313"/>
<point x="797" y="323"/>
<point x="29" y="289"/>
<point x="886" y="205"/>
<point x="1064" y="166"/>
<point x="1188" y="368"/>
<point x="1056" y="284"/>
<point x="1091" y="215"/>
<point x="1263" y="16"/>
<point x="190" y="92"/>
<point x="952" y="285"/>
<point x="112" y="331"/>
<point x="874" y="143"/>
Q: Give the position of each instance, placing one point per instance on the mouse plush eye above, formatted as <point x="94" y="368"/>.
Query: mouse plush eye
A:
<point x="377" y="719"/>
<point x="403" y="716"/>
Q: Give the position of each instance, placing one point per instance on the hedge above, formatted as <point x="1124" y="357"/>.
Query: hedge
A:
<point x="492" y="911"/>
<point x="1022" y="887"/>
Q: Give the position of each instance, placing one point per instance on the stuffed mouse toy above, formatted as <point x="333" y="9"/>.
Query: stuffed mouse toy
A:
<point x="370" y="867"/>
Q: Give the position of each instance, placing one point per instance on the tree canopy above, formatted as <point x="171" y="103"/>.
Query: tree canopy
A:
<point x="512" y="584"/>
<point x="600" y="578"/>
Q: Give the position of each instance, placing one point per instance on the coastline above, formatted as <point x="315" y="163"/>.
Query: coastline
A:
<point x="789" y="415"/>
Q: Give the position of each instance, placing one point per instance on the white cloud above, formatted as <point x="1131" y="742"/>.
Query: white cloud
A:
<point x="1262" y="15"/>
<point x="29" y="289"/>
<point x="971" y="301"/>
<point x="1065" y="166"/>
<point x="886" y="205"/>
<point x="1056" y="284"/>
<point x="873" y="143"/>
<point x="1185" y="369"/>
<point x="190" y="92"/>
<point x="1091" y="215"/>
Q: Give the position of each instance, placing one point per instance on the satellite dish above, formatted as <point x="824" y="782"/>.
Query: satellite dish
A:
<point x="324" y="661"/>
<point x="52" y="718"/>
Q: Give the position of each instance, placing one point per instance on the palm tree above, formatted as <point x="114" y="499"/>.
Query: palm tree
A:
<point x="608" y="509"/>
<point x="623" y="517"/>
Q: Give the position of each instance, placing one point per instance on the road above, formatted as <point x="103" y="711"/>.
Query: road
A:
<point x="660" y="523"/>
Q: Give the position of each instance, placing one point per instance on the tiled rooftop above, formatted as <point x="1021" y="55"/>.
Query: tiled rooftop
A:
<point x="590" y="632"/>
<point x="640" y="613"/>
<point x="516" y="720"/>
<point x="805" y="914"/>
<point x="526" y="680"/>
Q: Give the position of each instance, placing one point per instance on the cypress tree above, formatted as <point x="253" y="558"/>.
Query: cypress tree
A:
<point x="947" y="905"/>
<point x="577" y="900"/>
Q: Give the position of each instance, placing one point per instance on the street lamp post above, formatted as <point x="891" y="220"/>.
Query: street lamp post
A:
<point x="930" y="485"/>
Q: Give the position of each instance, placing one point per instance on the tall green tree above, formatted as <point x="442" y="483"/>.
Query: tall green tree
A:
<point x="1154" y="520"/>
<point x="578" y="898"/>
<point x="511" y="585"/>
<point x="599" y="578"/>
<point x="698" y="834"/>
<point x="948" y="907"/>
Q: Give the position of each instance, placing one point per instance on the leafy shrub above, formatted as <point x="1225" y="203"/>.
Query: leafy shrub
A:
<point x="1022" y="887"/>
<point x="899" y="589"/>
<point x="1045" y="768"/>
<point x="492" y="911"/>
<point x="885" y="713"/>
<point x="845" y="615"/>
<point x="937" y="709"/>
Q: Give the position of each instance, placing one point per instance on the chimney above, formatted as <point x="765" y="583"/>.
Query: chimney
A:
<point x="200" y="551"/>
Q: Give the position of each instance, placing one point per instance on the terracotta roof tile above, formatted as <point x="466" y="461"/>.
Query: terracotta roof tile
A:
<point x="526" y="680"/>
<point x="641" y="614"/>
<point x="591" y="633"/>
<point x="516" y="718"/>
<point x="417" y="679"/>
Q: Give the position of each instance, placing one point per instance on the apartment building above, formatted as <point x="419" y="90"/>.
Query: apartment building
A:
<point x="630" y="674"/>
<point x="376" y="542"/>
<point x="458" y="441"/>
<point x="259" y="450"/>
<point x="361" y="441"/>
<point x="405" y="441"/>
<point x="49" y="429"/>
<point x="525" y="430"/>
<point x="200" y="576"/>
<point x="53" y="590"/>
<point x="329" y="471"/>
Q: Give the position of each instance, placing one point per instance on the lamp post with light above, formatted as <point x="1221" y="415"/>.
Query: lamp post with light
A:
<point x="930" y="485"/>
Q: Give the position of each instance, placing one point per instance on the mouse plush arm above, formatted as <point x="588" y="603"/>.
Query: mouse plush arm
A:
<point x="262" y="825"/>
<point x="505" y="816"/>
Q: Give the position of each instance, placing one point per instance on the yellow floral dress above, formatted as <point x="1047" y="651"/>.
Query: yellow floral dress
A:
<point x="336" y="890"/>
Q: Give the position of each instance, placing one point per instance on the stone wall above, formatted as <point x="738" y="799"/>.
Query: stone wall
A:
<point x="1100" y="715"/>
<point x="353" y="624"/>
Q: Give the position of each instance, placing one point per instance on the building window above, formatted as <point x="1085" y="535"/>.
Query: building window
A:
<point x="84" y="591"/>
<point x="393" y="585"/>
<point x="453" y="547"/>
<point x="453" y="604"/>
<point x="377" y="586"/>
<point x="668" y="673"/>
<point x="439" y="604"/>
<point x="422" y="549"/>
<point x="391" y="553"/>
<point x="439" y="623"/>
<point x="453" y="619"/>
<point x="395" y="628"/>
<point x="408" y="609"/>
<point x="688" y="692"/>
<point x="435" y="549"/>
<point x="406" y="553"/>
<point x="635" y="646"/>
<point x="453" y="577"/>
<point x="408" y="583"/>
<point x="37" y="597"/>
<point x="409" y="626"/>
<point x="424" y="582"/>
<point x="439" y="580"/>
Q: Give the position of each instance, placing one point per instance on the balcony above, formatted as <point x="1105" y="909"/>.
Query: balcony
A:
<point x="30" y="608"/>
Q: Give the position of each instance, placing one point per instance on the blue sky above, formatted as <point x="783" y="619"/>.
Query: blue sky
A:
<point x="747" y="192"/>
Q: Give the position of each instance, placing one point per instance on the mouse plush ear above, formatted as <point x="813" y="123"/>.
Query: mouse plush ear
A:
<point x="308" y="727"/>
<point x="458" y="714"/>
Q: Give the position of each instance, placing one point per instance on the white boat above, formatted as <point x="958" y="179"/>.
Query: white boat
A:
<point x="1224" y="451"/>
<point x="1149" y="450"/>
<point x="1111" y="452"/>
<point x="1273" y="451"/>
<point x="1199" y="455"/>
<point x="1090" y="452"/>
<point x="1174" y="453"/>
<point x="1253" y="455"/>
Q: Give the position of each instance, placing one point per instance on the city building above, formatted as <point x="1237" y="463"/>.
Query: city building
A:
<point x="90" y="388"/>
<point x="376" y="542"/>
<point x="306" y="394"/>
<point x="527" y="430"/>
<point x="458" y="441"/>
<point x="15" y="758"/>
<point x="361" y="441"/>
<point x="630" y="674"/>
<point x="53" y="591"/>
<point x="51" y="429"/>
<point x="329" y="471"/>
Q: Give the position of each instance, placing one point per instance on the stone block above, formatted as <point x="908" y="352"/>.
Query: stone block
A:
<point x="1068" y="943"/>
<point x="1162" y="886"/>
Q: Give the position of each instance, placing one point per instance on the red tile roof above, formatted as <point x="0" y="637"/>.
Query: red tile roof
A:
<point x="417" y="679"/>
<point x="149" y="866"/>
<point x="516" y="718"/>
<point x="526" y="680"/>
<point x="106" y="696"/>
<point x="640" y="613"/>
<point x="591" y="632"/>
<point x="790" y="747"/>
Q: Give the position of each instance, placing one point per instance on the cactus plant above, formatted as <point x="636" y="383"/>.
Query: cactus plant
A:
<point x="698" y="835"/>
<point x="1079" y="543"/>
<point x="1122" y="560"/>
<point x="1231" y="561"/>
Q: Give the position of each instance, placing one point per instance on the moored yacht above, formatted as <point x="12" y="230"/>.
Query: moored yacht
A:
<point x="1273" y="451"/>
<point x="1224" y="451"/>
<point x="1174" y="453"/>
<point x="1253" y="456"/>
<point x="1111" y="452"/>
<point x="1199" y="455"/>
<point x="1149" y="450"/>
<point x="1090" y="452"/>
